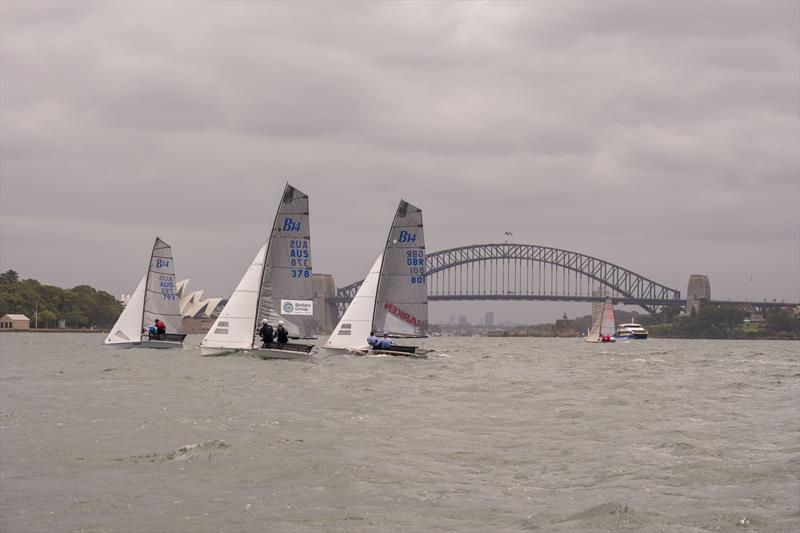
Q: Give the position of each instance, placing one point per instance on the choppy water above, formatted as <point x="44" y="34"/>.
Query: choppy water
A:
<point x="501" y="435"/>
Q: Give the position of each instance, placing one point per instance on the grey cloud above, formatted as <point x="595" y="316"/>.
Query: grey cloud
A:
<point x="660" y="136"/>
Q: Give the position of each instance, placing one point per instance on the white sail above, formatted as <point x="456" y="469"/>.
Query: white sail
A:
<point x="286" y="291"/>
<point x="128" y="328"/>
<point x="160" y="300"/>
<point x="401" y="304"/>
<point x="234" y="328"/>
<point x="356" y="323"/>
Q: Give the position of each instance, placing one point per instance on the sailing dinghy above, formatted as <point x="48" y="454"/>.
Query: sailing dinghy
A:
<point x="393" y="297"/>
<point x="276" y="287"/>
<point x="154" y="298"/>
<point x="603" y="327"/>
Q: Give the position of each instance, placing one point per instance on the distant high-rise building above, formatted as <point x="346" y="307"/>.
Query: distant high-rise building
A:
<point x="488" y="320"/>
<point x="462" y="320"/>
<point x="452" y="320"/>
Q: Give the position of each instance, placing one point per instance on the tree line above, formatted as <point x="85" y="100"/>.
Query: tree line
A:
<point x="80" y="307"/>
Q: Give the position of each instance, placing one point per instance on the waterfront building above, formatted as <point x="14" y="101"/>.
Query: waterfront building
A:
<point x="14" y="322"/>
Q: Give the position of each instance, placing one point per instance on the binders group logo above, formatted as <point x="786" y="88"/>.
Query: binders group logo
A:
<point x="297" y="307"/>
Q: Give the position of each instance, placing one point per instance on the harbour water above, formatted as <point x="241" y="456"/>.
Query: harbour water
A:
<point x="494" y="434"/>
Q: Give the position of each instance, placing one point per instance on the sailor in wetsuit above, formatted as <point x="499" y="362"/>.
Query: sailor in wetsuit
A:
<point x="281" y="333"/>
<point x="266" y="332"/>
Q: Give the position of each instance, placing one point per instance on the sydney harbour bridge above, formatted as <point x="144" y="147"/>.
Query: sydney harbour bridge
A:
<point x="511" y="272"/>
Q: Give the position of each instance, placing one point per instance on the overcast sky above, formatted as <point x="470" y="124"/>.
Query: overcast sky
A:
<point x="662" y="137"/>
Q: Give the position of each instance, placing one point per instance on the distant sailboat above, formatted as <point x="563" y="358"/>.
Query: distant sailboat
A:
<point x="154" y="298"/>
<point x="277" y="287"/>
<point x="394" y="296"/>
<point x="603" y="327"/>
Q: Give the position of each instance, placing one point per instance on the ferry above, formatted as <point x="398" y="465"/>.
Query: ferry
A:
<point x="631" y="331"/>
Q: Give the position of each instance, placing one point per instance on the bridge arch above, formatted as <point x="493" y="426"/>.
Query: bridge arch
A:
<point x="507" y="271"/>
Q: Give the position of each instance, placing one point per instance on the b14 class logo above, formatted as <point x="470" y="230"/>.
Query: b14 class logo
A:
<point x="288" y="307"/>
<point x="406" y="236"/>
<point x="291" y="225"/>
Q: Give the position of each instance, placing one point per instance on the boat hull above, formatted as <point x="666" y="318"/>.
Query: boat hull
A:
<point x="159" y="344"/>
<point x="285" y="351"/>
<point x="214" y="350"/>
<point x="639" y="336"/>
<point x="599" y="341"/>
<point x="120" y="345"/>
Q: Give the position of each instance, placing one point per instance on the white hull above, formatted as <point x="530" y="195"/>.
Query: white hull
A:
<point x="587" y="339"/>
<point x="159" y="345"/>
<point x="211" y="350"/>
<point x="120" y="345"/>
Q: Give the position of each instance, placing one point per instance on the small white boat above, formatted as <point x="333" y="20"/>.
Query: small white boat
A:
<point x="602" y="329"/>
<point x="631" y="331"/>
<point x="393" y="297"/>
<point x="154" y="298"/>
<point x="276" y="287"/>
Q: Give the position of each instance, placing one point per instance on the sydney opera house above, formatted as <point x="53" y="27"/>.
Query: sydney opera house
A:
<point x="199" y="313"/>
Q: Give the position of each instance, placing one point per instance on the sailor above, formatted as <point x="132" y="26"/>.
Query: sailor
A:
<point x="151" y="332"/>
<point x="281" y="333"/>
<point x="385" y="342"/>
<point x="372" y="340"/>
<point x="161" y="328"/>
<point x="266" y="332"/>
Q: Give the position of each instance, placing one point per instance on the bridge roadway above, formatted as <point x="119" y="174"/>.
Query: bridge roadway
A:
<point x="514" y="272"/>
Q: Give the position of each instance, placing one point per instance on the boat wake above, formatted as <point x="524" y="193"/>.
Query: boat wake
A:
<point x="184" y="453"/>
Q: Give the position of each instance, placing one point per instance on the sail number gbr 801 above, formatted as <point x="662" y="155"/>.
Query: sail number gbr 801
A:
<point x="299" y="258"/>
<point x="415" y="259"/>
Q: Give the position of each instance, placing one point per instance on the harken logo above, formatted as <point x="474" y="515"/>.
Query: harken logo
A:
<point x="402" y="315"/>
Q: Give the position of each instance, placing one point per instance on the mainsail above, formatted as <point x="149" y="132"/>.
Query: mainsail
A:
<point x="287" y="292"/>
<point x="160" y="300"/>
<point x="401" y="302"/>
<point x="603" y="323"/>
<point x="608" y="327"/>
